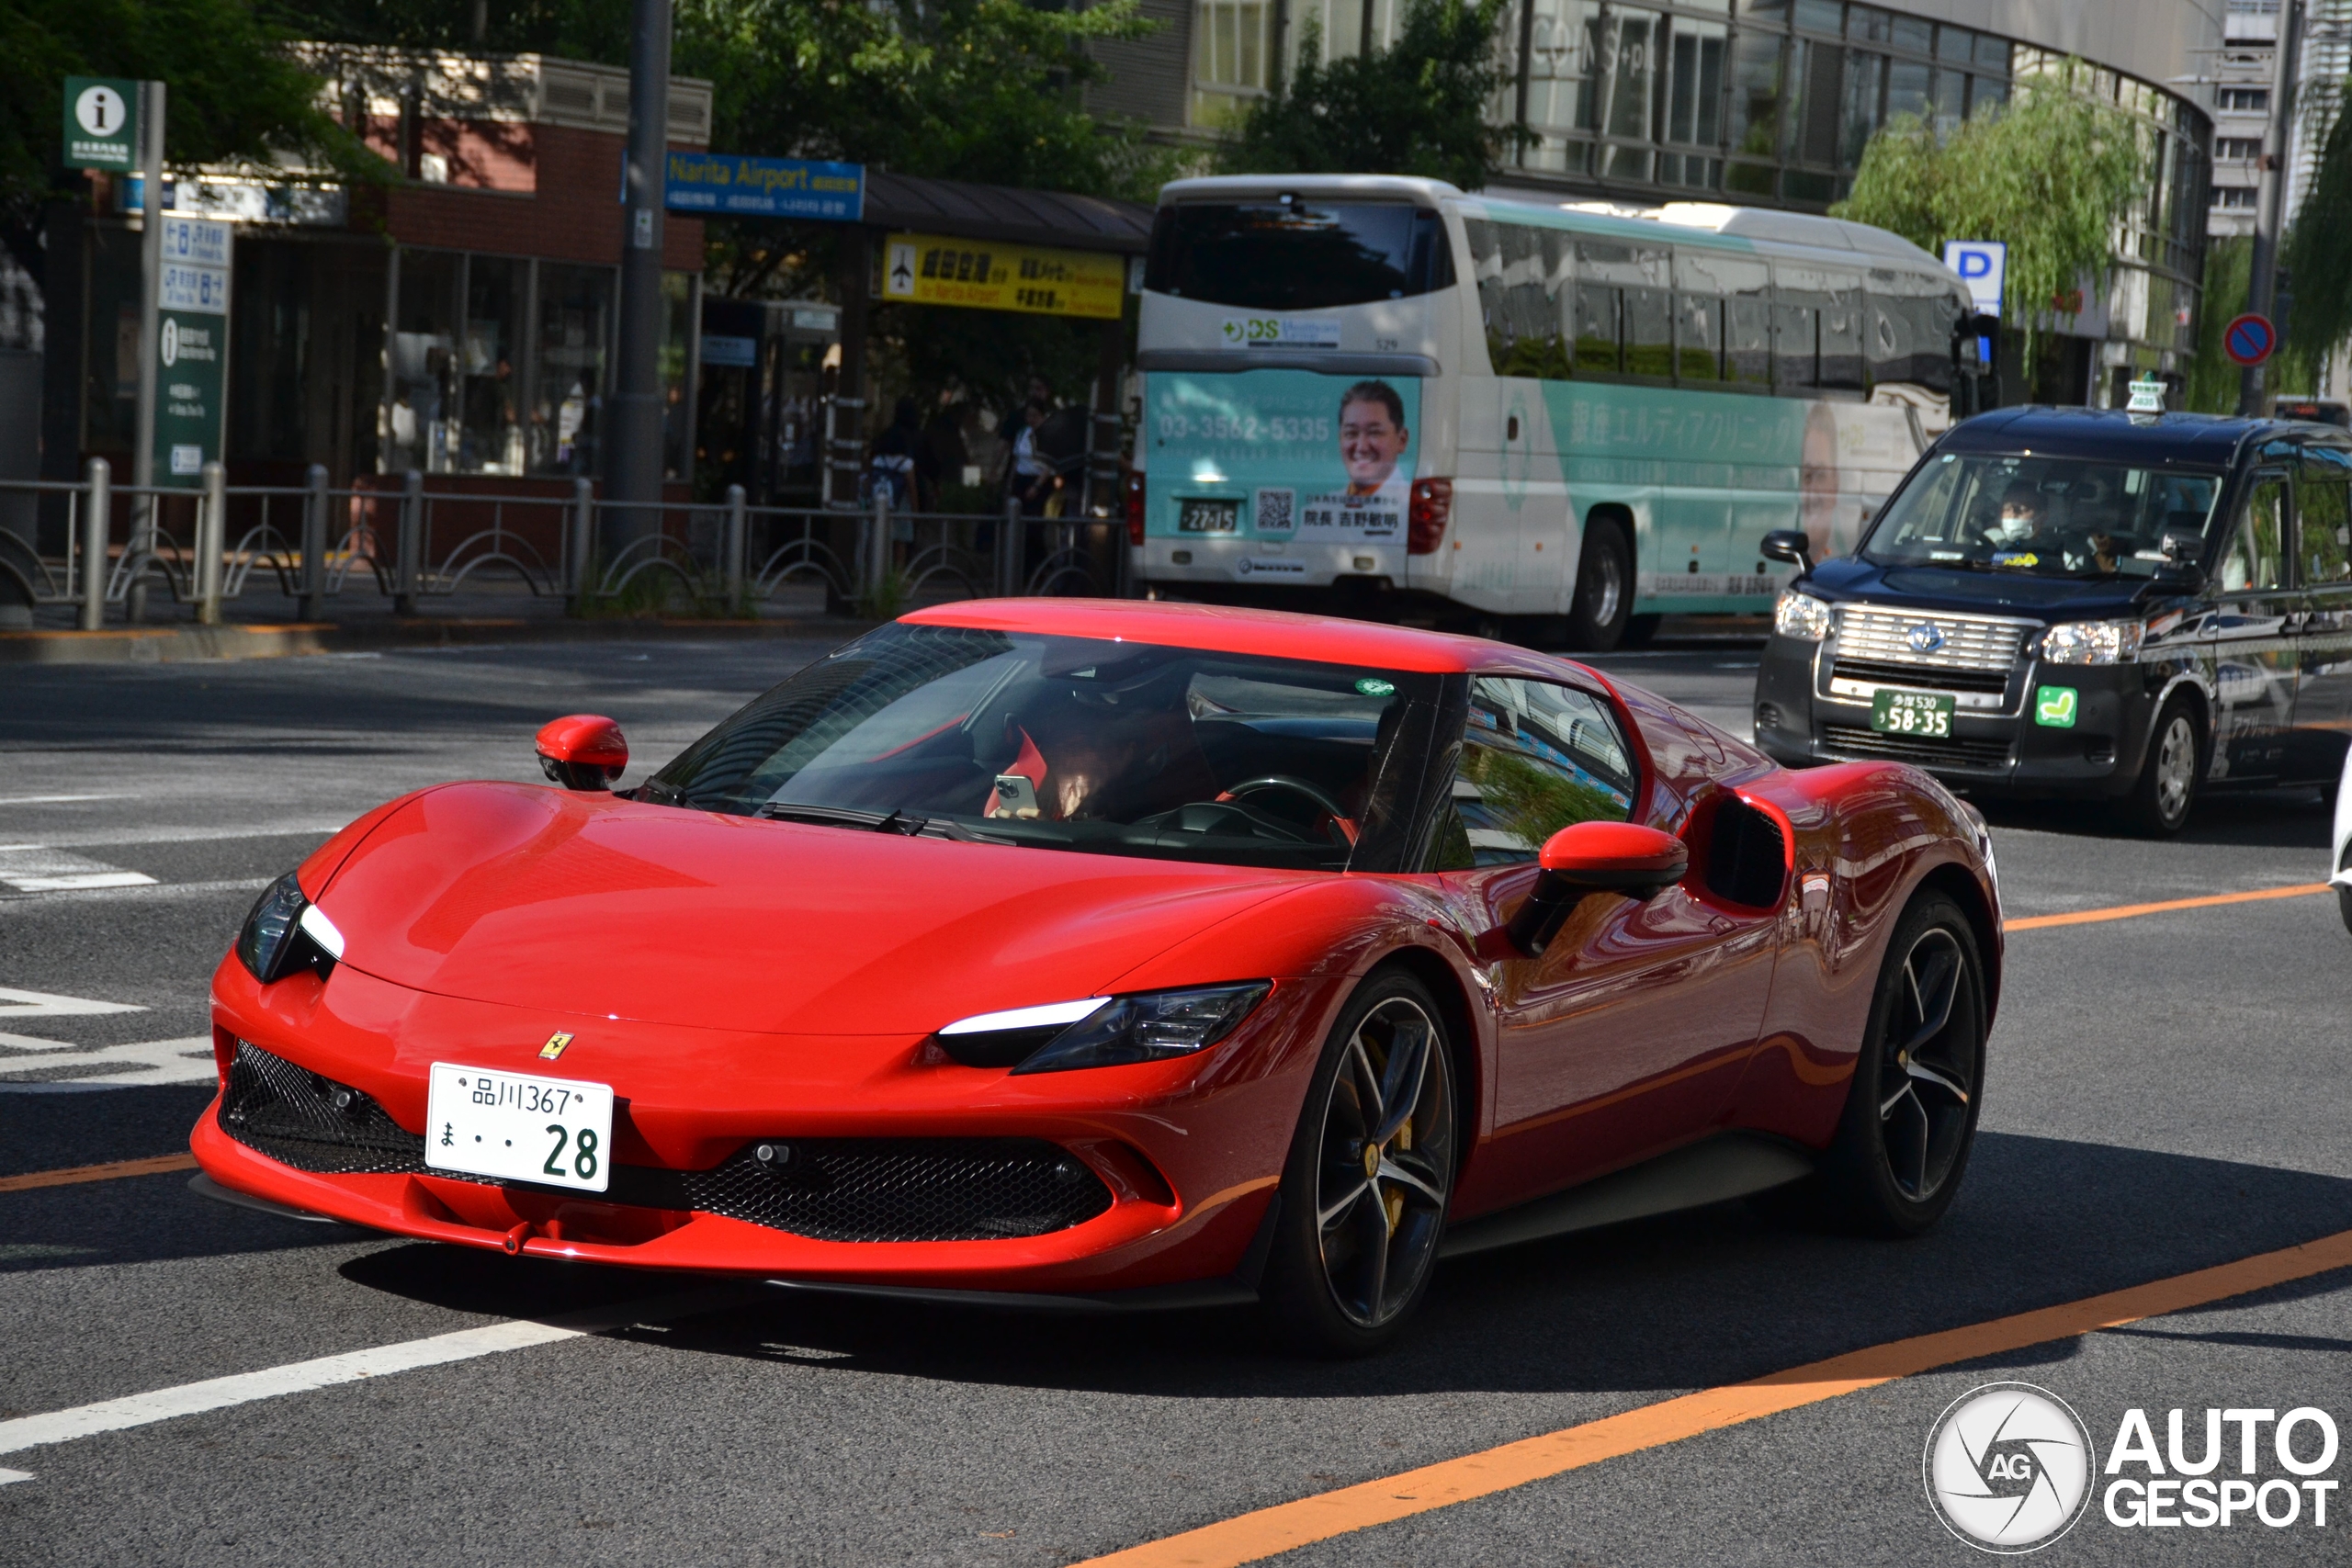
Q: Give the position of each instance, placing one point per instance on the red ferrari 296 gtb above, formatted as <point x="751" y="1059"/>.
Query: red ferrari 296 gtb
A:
<point x="1124" y="954"/>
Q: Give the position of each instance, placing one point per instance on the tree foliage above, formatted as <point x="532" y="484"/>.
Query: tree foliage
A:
<point x="2051" y="176"/>
<point x="2213" y="378"/>
<point x="2318" y="249"/>
<point x="1416" y="107"/>
<point x="231" y="93"/>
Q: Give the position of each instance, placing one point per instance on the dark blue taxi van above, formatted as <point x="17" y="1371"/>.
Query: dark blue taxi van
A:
<point x="2086" y="603"/>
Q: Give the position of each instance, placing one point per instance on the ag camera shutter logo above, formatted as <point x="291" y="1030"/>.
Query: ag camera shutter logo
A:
<point x="2009" y="1468"/>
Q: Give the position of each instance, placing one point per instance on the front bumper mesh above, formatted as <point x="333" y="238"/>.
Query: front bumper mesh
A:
<point x="851" y="1190"/>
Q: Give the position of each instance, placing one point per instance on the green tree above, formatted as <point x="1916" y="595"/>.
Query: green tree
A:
<point x="1416" y="107"/>
<point x="2318" y="250"/>
<point x="2049" y="175"/>
<point x="2213" y="377"/>
<point x="231" y="93"/>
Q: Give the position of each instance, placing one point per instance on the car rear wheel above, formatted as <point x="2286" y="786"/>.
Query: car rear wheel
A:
<point x="2160" y="800"/>
<point x="1369" y="1178"/>
<point x="1603" y="601"/>
<point x="1910" y="1116"/>
<point x="2344" y="906"/>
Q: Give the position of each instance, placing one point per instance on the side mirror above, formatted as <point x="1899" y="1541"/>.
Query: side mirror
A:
<point x="1594" y="857"/>
<point x="584" y="750"/>
<point x="2178" y="577"/>
<point x="1789" y="544"/>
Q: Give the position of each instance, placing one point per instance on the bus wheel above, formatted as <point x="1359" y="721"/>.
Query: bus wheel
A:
<point x="1604" y="591"/>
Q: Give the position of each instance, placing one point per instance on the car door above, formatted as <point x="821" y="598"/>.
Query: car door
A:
<point x="1627" y="1035"/>
<point x="2246" y="638"/>
<point x="2324" y="648"/>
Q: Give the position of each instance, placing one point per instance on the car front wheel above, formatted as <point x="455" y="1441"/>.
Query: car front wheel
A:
<point x="2159" y="801"/>
<point x="1370" y="1176"/>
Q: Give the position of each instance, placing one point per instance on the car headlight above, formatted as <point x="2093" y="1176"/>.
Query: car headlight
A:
<point x="1102" y="1032"/>
<point x="2093" y="642"/>
<point x="285" y="931"/>
<point x="1802" y="616"/>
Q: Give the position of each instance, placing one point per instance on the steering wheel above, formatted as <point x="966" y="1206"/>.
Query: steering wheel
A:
<point x="1331" y="809"/>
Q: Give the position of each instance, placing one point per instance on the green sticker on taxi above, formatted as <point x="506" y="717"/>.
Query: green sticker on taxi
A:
<point x="2054" y="706"/>
<point x="1374" y="686"/>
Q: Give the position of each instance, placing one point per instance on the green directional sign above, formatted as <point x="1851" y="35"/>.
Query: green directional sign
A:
<point x="192" y="348"/>
<point x="101" y="123"/>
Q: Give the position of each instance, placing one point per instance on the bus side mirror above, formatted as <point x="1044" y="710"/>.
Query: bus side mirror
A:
<point x="1789" y="544"/>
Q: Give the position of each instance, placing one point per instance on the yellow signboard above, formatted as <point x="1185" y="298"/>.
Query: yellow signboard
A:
<point x="930" y="269"/>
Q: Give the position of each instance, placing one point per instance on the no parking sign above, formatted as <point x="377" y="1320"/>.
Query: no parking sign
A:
<point x="2249" y="339"/>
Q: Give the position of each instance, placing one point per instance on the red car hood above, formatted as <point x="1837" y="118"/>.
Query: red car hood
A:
<point x="586" y="904"/>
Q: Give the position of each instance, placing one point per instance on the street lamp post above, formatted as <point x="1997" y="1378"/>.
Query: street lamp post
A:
<point x="633" y="467"/>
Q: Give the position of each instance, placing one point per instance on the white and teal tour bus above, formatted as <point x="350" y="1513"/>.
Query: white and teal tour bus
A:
<point x="1383" y="396"/>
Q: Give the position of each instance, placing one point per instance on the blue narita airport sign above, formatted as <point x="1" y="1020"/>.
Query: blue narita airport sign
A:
<point x="737" y="186"/>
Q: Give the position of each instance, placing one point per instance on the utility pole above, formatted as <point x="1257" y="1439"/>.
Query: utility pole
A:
<point x="150" y="347"/>
<point x="634" y="412"/>
<point x="2269" y="213"/>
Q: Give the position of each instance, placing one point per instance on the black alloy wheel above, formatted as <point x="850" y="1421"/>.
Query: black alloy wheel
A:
<point x="1370" y="1176"/>
<point x="1603" y="601"/>
<point x="1910" y="1116"/>
<point x="2161" y="797"/>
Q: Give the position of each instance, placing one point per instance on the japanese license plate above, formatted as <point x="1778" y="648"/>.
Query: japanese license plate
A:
<point x="1197" y="515"/>
<point x="519" y="1127"/>
<point x="1925" y="713"/>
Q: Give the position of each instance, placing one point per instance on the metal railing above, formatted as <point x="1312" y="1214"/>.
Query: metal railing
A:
<point x="314" y="543"/>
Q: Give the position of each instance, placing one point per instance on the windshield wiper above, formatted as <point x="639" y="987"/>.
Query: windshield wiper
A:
<point x="893" y="821"/>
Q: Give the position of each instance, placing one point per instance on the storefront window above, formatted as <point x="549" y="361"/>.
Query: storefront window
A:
<point x="567" y="379"/>
<point x="490" y="440"/>
<point x="420" y="421"/>
<point x="677" y="342"/>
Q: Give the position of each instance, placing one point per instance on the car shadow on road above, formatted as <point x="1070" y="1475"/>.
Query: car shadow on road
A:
<point x="2268" y="818"/>
<point x="1695" y="1300"/>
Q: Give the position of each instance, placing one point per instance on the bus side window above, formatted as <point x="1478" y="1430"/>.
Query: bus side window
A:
<point x="1887" y="328"/>
<point x="1797" y="299"/>
<point x="1746" y="286"/>
<point x="1649" y="316"/>
<point x="1487" y="267"/>
<point x="1841" y="331"/>
<point x="1698" y="336"/>
<point x="1596" y="329"/>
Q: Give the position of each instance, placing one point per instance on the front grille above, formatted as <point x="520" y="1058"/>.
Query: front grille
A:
<point x="1879" y="636"/>
<point x="1958" y="752"/>
<point x="839" y="1188"/>
<point x="1938" y="678"/>
<point x="907" y="1189"/>
<point x="290" y="1113"/>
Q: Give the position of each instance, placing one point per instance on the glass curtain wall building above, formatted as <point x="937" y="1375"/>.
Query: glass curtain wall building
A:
<point x="1769" y="102"/>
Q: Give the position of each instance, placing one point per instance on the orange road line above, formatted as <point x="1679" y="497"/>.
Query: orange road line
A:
<point x="1267" y="1531"/>
<point x="73" y="1173"/>
<point x="2127" y="911"/>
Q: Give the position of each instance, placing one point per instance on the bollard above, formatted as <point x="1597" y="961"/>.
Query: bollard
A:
<point x="98" y="514"/>
<point x="411" y="543"/>
<point x="1007" y="551"/>
<point x="211" y="542"/>
<point x="737" y="521"/>
<point x="584" y="531"/>
<point x="878" y="556"/>
<point x="314" y="544"/>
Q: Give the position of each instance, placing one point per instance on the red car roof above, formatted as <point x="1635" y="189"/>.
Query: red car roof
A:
<point x="1274" y="634"/>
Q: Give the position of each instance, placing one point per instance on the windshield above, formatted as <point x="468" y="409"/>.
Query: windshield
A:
<point x="1073" y="743"/>
<point x="2045" y="516"/>
<point x="1298" y="255"/>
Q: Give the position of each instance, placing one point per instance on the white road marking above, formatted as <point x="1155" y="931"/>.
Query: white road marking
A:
<point x="47" y="1004"/>
<point x="9" y="1475"/>
<point x="144" y="890"/>
<point x="39" y="868"/>
<point x="101" y="838"/>
<point x="327" y="1372"/>
<point x="147" y="1062"/>
<point x="58" y="799"/>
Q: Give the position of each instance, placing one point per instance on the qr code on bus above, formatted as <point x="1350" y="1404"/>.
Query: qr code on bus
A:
<point x="1275" y="512"/>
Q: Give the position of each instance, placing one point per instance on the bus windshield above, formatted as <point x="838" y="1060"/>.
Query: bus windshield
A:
<point x="2044" y="516"/>
<point x="1296" y="254"/>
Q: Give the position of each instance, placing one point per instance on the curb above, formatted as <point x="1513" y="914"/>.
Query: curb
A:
<point x="184" y="644"/>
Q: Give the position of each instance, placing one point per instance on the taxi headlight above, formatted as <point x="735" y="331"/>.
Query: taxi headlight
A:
<point x="1802" y="616"/>
<point x="2093" y="642"/>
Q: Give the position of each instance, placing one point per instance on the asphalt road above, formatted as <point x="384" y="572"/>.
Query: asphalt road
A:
<point x="2164" y="1094"/>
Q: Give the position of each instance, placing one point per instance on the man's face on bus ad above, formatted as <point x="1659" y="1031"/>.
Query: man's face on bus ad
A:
<point x="1371" y="441"/>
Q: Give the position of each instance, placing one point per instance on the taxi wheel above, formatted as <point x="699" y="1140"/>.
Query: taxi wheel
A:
<point x="1369" y="1179"/>
<point x="2159" y="803"/>
<point x="1910" y="1117"/>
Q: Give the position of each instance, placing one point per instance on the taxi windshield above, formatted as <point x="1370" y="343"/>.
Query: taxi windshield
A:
<point x="2044" y="516"/>
<point x="1075" y="743"/>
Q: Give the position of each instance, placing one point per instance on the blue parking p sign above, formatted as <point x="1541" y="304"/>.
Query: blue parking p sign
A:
<point x="1981" y="264"/>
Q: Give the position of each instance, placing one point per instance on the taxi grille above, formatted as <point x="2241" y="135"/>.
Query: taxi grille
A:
<point x="1932" y="677"/>
<point x="292" y="1115"/>
<point x="907" y="1189"/>
<point x="838" y="1189"/>
<point x="1970" y="642"/>
<point x="1958" y="752"/>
